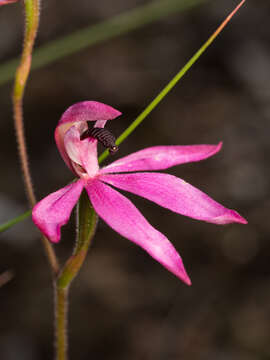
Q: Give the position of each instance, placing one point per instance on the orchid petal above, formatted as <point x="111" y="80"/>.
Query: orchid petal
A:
<point x="161" y="157"/>
<point x="79" y="114"/>
<point x="119" y="213"/>
<point x="83" y="153"/>
<point x="54" y="210"/>
<point x="174" y="194"/>
<point x="73" y="144"/>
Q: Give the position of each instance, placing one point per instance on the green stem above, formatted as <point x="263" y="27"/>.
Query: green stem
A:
<point x="31" y="8"/>
<point x="87" y="221"/>
<point x="61" y="311"/>
<point x="153" y="104"/>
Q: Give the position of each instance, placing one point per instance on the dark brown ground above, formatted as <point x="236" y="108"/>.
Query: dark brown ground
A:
<point x="123" y="304"/>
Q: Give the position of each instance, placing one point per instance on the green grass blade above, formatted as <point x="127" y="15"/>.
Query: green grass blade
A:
<point x="170" y="85"/>
<point x="15" y="221"/>
<point x="108" y="29"/>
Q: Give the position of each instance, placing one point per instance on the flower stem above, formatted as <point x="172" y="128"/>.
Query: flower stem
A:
<point x="31" y="8"/>
<point x="61" y="309"/>
<point x="31" y="25"/>
<point x="87" y="221"/>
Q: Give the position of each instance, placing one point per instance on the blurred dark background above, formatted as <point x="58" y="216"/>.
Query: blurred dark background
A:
<point x="124" y="304"/>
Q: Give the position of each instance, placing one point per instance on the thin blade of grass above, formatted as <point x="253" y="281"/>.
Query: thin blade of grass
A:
<point x="15" y="221"/>
<point x="171" y="84"/>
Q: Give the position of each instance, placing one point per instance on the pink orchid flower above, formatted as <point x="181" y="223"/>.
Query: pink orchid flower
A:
<point x="128" y="173"/>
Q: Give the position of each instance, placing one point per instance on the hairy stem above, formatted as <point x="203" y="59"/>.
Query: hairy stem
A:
<point x="61" y="310"/>
<point x="31" y="8"/>
<point x="87" y="221"/>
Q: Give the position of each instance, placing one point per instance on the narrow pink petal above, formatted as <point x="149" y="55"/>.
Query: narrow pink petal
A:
<point x="78" y="114"/>
<point x="174" y="194"/>
<point x="119" y="213"/>
<point x="53" y="211"/>
<point x="161" y="157"/>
